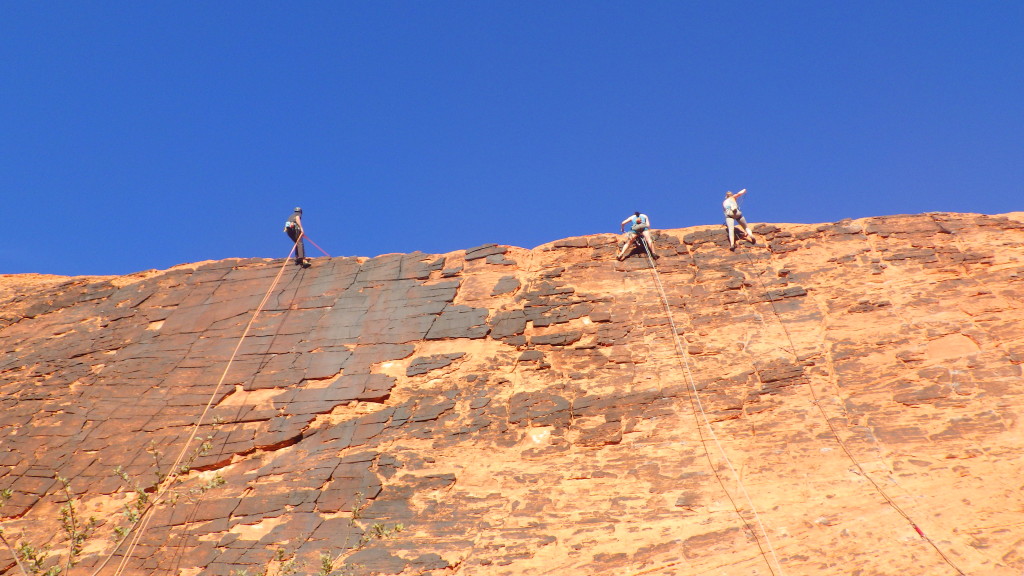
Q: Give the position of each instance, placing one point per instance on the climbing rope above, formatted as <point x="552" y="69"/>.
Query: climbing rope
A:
<point x="835" y="433"/>
<point x="142" y="524"/>
<point x="698" y="408"/>
<point x="306" y="236"/>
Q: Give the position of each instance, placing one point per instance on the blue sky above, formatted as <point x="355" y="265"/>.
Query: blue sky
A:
<point x="141" y="135"/>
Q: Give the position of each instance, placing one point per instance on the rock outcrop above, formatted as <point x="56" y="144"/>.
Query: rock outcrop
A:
<point x="839" y="399"/>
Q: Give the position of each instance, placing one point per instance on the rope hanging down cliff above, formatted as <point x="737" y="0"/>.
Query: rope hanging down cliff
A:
<point x="136" y="531"/>
<point x="698" y="408"/>
<point x="835" y="433"/>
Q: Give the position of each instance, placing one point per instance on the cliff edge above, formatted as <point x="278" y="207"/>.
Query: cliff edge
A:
<point x="840" y="398"/>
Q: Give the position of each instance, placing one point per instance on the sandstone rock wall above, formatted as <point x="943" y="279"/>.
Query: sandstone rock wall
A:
<point x="508" y="411"/>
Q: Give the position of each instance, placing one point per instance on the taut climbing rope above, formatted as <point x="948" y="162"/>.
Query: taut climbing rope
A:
<point x="140" y="526"/>
<point x="698" y="408"/>
<point x="838" y="438"/>
<point x="306" y="236"/>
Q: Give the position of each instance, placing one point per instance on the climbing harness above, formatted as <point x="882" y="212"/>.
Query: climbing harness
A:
<point x="139" y="528"/>
<point x="698" y="408"/>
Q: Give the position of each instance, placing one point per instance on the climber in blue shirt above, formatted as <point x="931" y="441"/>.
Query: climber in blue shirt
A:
<point x="638" y="224"/>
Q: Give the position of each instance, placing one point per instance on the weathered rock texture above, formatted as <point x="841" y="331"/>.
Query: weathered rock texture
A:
<point x="509" y="411"/>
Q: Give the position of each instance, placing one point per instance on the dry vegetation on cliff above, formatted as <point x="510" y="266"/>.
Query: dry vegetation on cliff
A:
<point x="503" y="411"/>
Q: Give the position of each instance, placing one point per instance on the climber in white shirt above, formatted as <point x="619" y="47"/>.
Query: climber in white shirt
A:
<point x="733" y="215"/>
<point x="638" y="224"/>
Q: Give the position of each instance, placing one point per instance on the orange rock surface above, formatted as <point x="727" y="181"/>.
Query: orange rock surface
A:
<point x="842" y="398"/>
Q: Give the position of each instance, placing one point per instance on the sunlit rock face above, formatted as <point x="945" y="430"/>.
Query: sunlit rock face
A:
<point x="812" y="404"/>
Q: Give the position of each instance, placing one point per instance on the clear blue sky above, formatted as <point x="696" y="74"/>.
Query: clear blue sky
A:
<point x="140" y="135"/>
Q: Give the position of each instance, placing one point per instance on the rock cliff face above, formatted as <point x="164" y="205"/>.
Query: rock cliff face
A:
<point x="839" y="399"/>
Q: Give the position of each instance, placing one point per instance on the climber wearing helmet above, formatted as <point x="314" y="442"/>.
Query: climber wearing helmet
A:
<point x="293" y="227"/>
